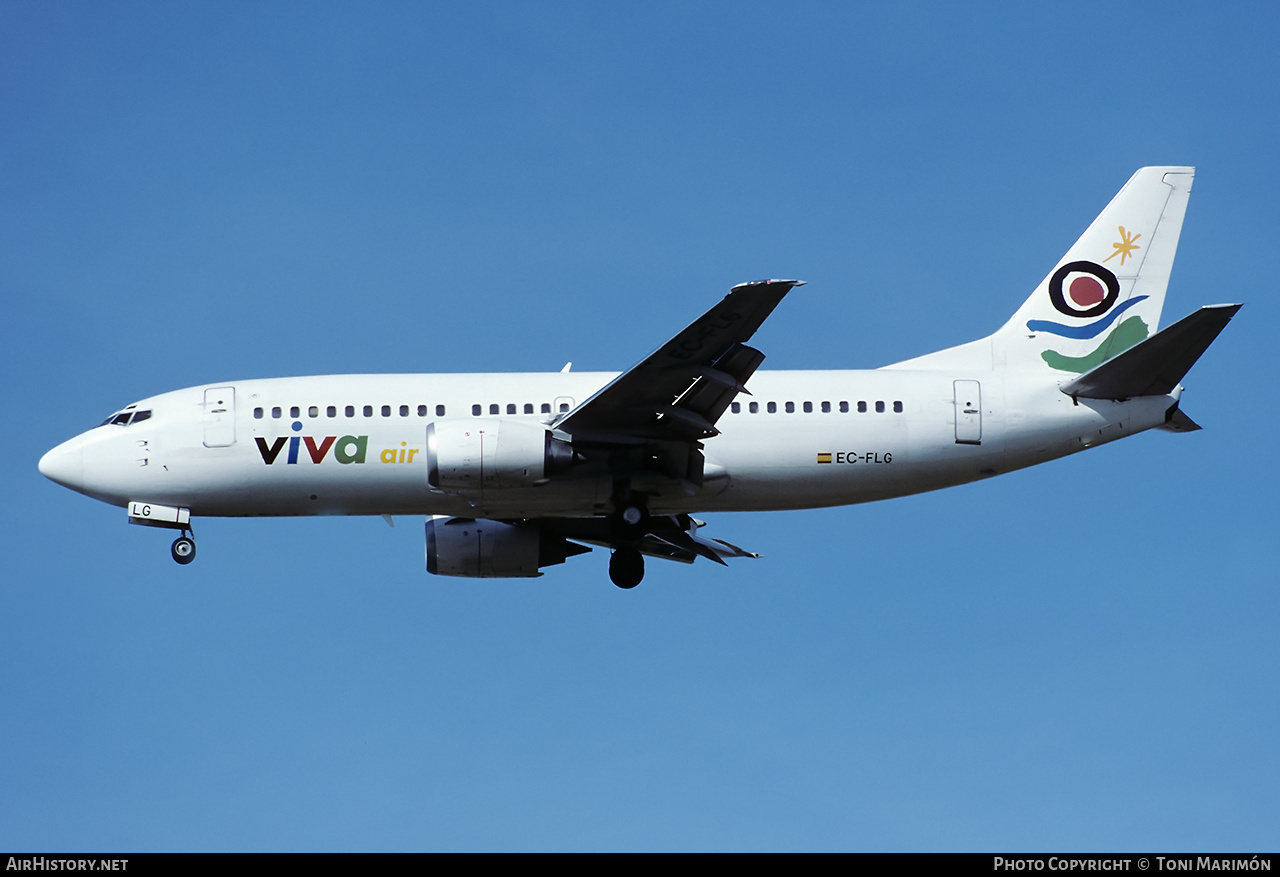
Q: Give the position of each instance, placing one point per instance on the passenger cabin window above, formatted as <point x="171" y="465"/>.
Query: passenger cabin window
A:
<point x="368" y="411"/>
<point x="862" y="407"/>
<point x="475" y="410"/>
<point x="772" y="407"/>
<point x="350" y="411"/>
<point x="897" y="407"/>
<point x="564" y="406"/>
<point x="439" y="411"/>
<point x="295" y="411"/>
<point x="404" y="410"/>
<point x="313" y="411"/>
<point x="879" y="408"/>
<point x="808" y="408"/>
<point x="791" y="408"/>
<point x="844" y="407"/>
<point x="546" y="408"/>
<point x="528" y="408"/>
<point x="826" y="407"/>
<point x="511" y="408"/>
<point x="386" y="410"/>
<point x="275" y="412"/>
<point x="331" y="411"/>
<point x="753" y="407"/>
<point x="494" y="408"/>
<point x="422" y="410"/>
<point x="736" y="407"/>
<point x="257" y="413"/>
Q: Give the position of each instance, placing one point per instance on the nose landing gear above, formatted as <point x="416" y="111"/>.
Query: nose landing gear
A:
<point x="150" y="514"/>
<point x="183" y="549"/>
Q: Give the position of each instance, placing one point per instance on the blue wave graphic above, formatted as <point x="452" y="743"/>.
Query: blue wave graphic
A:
<point x="1090" y="330"/>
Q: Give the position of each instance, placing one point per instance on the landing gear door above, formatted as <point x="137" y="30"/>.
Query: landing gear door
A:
<point x="219" y="417"/>
<point x="968" y="412"/>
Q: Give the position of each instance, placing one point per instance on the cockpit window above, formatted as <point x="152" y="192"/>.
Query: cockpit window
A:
<point x="127" y="416"/>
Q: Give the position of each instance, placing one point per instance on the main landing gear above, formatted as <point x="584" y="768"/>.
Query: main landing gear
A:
<point x="626" y="567"/>
<point x="633" y="518"/>
<point x="184" y="548"/>
<point x="629" y="524"/>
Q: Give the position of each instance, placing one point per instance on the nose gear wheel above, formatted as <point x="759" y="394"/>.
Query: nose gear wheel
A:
<point x="183" y="549"/>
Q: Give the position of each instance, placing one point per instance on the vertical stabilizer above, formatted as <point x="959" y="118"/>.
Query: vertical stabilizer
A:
<point x="1106" y="293"/>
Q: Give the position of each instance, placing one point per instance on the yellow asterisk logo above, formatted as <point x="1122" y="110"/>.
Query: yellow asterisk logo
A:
<point x="1125" y="246"/>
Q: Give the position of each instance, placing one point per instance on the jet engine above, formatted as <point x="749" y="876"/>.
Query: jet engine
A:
<point x="478" y="548"/>
<point x="482" y="454"/>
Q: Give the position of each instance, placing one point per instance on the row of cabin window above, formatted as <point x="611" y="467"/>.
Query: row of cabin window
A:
<point x="545" y="408"/>
<point x="348" y="411"/>
<point x="495" y="408"/>
<point x="825" y="407"/>
<point x="423" y="410"/>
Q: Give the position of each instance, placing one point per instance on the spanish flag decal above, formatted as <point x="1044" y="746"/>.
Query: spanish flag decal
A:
<point x="824" y="458"/>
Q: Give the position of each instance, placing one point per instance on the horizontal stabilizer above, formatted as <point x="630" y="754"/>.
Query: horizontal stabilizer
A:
<point x="1155" y="366"/>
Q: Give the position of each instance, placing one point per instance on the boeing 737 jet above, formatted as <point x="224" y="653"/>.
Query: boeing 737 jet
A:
<point x="517" y="472"/>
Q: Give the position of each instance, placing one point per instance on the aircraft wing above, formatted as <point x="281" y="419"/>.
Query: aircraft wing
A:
<point x="680" y="390"/>
<point x="671" y="537"/>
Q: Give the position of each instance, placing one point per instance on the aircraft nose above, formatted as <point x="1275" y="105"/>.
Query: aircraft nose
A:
<point x="64" y="465"/>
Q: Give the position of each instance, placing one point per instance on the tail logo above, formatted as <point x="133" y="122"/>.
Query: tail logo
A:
<point x="1085" y="290"/>
<point x="1091" y="290"/>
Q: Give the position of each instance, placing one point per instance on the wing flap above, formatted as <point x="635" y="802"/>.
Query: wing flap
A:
<point x="710" y="395"/>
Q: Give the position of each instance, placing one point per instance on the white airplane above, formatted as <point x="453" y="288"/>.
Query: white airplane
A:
<point x="516" y="472"/>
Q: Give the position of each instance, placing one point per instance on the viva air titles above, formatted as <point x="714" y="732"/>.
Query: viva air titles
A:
<point x="346" y="449"/>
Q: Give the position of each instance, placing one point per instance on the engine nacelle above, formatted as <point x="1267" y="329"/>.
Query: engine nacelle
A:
<point x="481" y="454"/>
<point x="477" y="548"/>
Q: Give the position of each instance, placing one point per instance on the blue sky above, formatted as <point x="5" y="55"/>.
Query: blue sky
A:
<point x="1076" y="656"/>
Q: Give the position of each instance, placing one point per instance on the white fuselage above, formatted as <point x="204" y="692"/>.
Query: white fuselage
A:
<point x="517" y="472"/>
<point x="815" y="438"/>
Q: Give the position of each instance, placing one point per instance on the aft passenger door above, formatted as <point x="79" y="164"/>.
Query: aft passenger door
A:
<point x="968" y="400"/>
